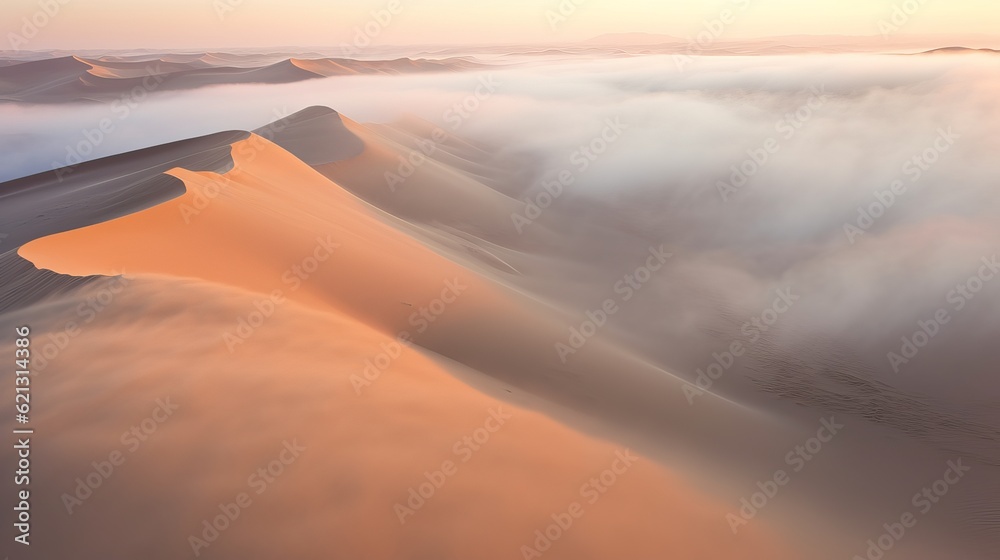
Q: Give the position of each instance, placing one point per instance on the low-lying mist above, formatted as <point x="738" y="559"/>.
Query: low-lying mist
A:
<point x="865" y="182"/>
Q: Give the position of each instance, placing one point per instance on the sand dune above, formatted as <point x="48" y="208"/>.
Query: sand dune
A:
<point x="103" y="189"/>
<point x="345" y="66"/>
<point x="302" y="209"/>
<point x="72" y="78"/>
<point x="315" y="135"/>
<point x="960" y="50"/>
<point x="90" y="193"/>
<point x="232" y="238"/>
<point x="22" y="285"/>
<point x="324" y="67"/>
<point x="28" y="78"/>
<point x="343" y="494"/>
<point x="157" y="240"/>
<point x="130" y="69"/>
<point x="406" y="182"/>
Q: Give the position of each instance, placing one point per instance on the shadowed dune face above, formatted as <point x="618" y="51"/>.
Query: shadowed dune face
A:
<point x="87" y="194"/>
<point x="315" y="135"/>
<point x="409" y="184"/>
<point x="100" y="190"/>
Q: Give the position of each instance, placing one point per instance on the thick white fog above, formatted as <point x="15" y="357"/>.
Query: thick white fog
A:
<point x="867" y="182"/>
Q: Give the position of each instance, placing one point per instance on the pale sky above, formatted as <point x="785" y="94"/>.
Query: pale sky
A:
<point x="127" y="24"/>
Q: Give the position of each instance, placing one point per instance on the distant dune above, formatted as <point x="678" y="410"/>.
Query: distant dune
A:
<point x="72" y="78"/>
<point x="58" y="78"/>
<point x="654" y="43"/>
<point x="959" y="50"/>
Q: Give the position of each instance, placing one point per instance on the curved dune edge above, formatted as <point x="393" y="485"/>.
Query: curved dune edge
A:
<point x="257" y="227"/>
<point x="268" y="216"/>
<point x="324" y="67"/>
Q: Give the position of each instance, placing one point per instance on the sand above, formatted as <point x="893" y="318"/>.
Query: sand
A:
<point x="290" y="382"/>
<point x="73" y="79"/>
<point x="304" y="234"/>
<point x="295" y="377"/>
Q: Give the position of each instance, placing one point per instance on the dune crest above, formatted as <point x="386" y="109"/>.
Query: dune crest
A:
<point x="340" y="275"/>
<point x="268" y="214"/>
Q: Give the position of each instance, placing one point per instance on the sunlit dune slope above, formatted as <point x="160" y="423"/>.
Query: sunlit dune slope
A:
<point x="330" y="279"/>
<point x="260" y="227"/>
<point x="345" y="492"/>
